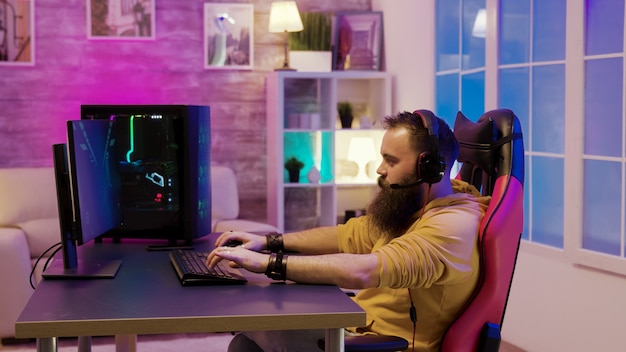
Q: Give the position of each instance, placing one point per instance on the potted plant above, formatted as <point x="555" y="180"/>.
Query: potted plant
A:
<point x="316" y="33"/>
<point x="310" y="49"/>
<point x="293" y="166"/>
<point x="344" y="109"/>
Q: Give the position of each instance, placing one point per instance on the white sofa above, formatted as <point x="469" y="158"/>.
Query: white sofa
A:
<point x="29" y="225"/>
<point x="225" y="207"/>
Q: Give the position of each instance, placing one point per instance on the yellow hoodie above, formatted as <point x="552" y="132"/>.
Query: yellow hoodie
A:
<point x="435" y="264"/>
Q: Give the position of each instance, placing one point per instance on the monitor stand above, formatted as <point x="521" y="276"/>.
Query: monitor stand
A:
<point x="71" y="267"/>
<point x="84" y="270"/>
<point x="172" y="244"/>
<point x="166" y="247"/>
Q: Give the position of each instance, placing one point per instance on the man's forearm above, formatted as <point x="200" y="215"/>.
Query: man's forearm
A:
<point x="321" y="240"/>
<point x="353" y="271"/>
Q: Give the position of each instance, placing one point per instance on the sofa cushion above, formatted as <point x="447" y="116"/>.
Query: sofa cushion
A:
<point x="224" y="193"/>
<point x="41" y="234"/>
<point x="27" y="194"/>
<point x="243" y="225"/>
<point x="15" y="268"/>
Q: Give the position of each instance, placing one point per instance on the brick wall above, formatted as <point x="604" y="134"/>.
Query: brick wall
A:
<point x="71" y="70"/>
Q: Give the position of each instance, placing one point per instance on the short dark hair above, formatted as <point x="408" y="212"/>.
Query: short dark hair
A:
<point x="446" y="141"/>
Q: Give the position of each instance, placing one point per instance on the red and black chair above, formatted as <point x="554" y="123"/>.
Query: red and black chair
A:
<point x="492" y="153"/>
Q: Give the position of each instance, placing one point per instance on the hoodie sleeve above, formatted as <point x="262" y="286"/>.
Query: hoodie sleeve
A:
<point x="440" y="248"/>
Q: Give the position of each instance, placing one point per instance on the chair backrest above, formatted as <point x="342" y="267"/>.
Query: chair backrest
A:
<point x="492" y="152"/>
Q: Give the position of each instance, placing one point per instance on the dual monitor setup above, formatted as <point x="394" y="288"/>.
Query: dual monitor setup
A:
<point x="131" y="171"/>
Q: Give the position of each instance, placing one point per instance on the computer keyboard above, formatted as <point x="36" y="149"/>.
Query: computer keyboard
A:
<point x="192" y="270"/>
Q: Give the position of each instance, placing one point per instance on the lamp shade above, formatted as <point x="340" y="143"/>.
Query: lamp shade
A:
<point x="479" y="30"/>
<point x="361" y="150"/>
<point x="284" y="17"/>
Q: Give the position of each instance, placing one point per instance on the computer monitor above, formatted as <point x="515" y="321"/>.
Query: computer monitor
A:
<point x="164" y="157"/>
<point x="88" y="197"/>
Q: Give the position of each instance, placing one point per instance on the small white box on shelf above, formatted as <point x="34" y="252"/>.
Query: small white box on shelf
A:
<point x="305" y="121"/>
<point x="314" y="120"/>
<point x="293" y="120"/>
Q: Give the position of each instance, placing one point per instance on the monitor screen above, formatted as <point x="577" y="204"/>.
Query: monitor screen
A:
<point x="94" y="178"/>
<point x="88" y="197"/>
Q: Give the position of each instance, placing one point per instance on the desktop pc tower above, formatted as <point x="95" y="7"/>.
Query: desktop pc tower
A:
<point x="164" y="157"/>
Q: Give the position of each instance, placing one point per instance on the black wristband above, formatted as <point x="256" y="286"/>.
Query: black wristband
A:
<point x="274" y="242"/>
<point x="271" y="263"/>
<point x="277" y="266"/>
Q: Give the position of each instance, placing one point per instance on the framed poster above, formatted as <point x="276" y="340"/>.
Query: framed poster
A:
<point x="228" y="36"/>
<point x="17" y="32"/>
<point x="358" y="41"/>
<point x="120" y="19"/>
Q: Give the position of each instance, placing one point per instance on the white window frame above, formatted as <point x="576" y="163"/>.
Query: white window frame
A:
<point x="572" y="251"/>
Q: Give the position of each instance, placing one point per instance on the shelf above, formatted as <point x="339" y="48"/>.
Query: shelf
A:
<point x="307" y="185"/>
<point x="302" y="122"/>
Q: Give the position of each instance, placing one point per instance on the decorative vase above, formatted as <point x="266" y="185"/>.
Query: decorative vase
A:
<point x="314" y="175"/>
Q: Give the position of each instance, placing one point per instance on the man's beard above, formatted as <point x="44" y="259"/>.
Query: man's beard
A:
<point x="392" y="211"/>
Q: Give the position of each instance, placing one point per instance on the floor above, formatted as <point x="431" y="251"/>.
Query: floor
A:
<point x="164" y="343"/>
<point x="507" y="347"/>
<point x="145" y="343"/>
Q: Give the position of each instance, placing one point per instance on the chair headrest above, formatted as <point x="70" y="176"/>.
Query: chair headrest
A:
<point x="493" y="143"/>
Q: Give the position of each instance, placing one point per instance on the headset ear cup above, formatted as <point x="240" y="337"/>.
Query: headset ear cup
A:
<point x="430" y="169"/>
<point x="423" y="166"/>
<point x="431" y="165"/>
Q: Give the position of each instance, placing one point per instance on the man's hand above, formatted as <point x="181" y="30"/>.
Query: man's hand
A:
<point x="239" y="256"/>
<point x="248" y="240"/>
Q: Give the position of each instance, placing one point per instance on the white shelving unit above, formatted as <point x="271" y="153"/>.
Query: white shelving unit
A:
<point x="302" y="121"/>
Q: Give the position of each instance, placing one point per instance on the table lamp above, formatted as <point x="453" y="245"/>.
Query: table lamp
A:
<point x="284" y="17"/>
<point x="361" y="151"/>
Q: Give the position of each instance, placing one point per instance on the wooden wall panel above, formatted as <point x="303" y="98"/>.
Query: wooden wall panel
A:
<point x="71" y="70"/>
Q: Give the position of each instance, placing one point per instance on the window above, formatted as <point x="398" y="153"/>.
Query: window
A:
<point x="568" y="92"/>
<point x="460" y="58"/>
<point x="603" y="209"/>
<point x="531" y="74"/>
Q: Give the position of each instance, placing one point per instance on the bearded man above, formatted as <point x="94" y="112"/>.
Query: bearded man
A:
<point x="413" y="257"/>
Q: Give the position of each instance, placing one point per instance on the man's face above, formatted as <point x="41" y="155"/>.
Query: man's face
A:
<point x="399" y="158"/>
<point x="393" y="210"/>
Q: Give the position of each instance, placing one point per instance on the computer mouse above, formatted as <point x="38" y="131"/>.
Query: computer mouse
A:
<point x="233" y="243"/>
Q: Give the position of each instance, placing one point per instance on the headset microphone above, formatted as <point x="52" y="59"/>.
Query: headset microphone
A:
<point x="407" y="185"/>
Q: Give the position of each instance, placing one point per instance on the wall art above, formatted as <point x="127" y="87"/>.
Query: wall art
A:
<point x="358" y="41"/>
<point x="17" y="32"/>
<point x="228" y="36"/>
<point x="121" y="19"/>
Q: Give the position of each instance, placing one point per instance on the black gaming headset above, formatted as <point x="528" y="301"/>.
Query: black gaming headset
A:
<point x="430" y="164"/>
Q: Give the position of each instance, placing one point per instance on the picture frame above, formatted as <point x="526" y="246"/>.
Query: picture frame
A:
<point x="228" y="36"/>
<point x="17" y="32"/>
<point x="121" y="19"/>
<point x="358" y="41"/>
